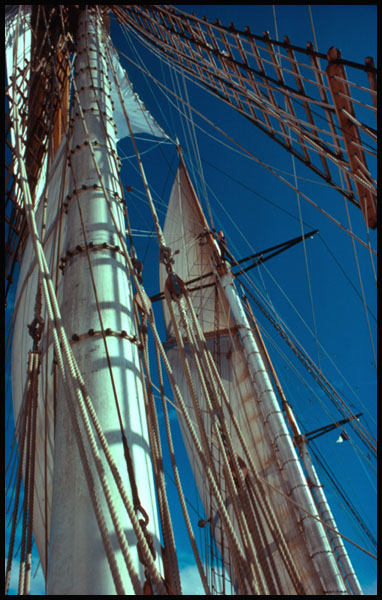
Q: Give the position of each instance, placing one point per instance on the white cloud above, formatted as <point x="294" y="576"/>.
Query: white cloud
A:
<point x="191" y="583"/>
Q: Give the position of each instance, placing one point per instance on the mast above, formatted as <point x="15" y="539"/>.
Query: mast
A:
<point x="313" y="480"/>
<point x="315" y="534"/>
<point x="97" y="309"/>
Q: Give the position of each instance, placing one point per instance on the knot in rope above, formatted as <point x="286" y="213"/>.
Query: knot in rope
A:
<point x="37" y="326"/>
<point x="165" y="257"/>
<point x="149" y="538"/>
<point x="138" y="268"/>
<point x="35" y="330"/>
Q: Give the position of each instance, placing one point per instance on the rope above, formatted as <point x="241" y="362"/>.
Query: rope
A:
<point x="31" y="491"/>
<point x="22" y="440"/>
<point x="279" y="113"/>
<point x="135" y="523"/>
<point x="275" y="527"/>
<point x="170" y="556"/>
<point x="222" y="509"/>
<point x="318" y="376"/>
<point x="30" y="418"/>
<point x="74" y="372"/>
<point x="362" y="290"/>
<point x="55" y="316"/>
<point x="196" y="147"/>
<point x="176" y="475"/>
<point x="143" y="175"/>
<point x="224" y="438"/>
<point x="239" y="471"/>
<point x="274" y="172"/>
<point x="117" y="403"/>
<point x="241" y="505"/>
<point x="307" y="265"/>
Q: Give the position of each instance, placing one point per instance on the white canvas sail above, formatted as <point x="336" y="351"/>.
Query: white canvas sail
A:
<point x="53" y="236"/>
<point x="61" y="510"/>
<point x="185" y="234"/>
<point x="141" y="120"/>
<point x="101" y="522"/>
<point x="182" y="230"/>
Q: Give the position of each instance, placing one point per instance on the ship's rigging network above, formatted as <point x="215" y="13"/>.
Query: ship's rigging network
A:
<point x="249" y="73"/>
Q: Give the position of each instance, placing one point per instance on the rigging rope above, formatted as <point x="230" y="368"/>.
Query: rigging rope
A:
<point x="349" y="223"/>
<point x="271" y="169"/>
<point x="55" y="316"/>
<point x="306" y="266"/>
<point x="176" y="473"/>
<point x="238" y="470"/>
<point x="267" y="510"/>
<point x="190" y="57"/>
<point x="362" y="290"/>
<point x="170" y="556"/>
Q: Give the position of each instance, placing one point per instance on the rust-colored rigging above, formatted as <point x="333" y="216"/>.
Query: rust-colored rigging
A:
<point x="252" y="73"/>
<point x="265" y="80"/>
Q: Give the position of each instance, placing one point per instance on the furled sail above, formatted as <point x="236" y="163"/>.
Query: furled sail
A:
<point x="284" y="557"/>
<point x="55" y="536"/>
<point x="89" y="460"/>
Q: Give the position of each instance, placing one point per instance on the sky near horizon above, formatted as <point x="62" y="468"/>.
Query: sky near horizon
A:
<point x="259" y="212"/>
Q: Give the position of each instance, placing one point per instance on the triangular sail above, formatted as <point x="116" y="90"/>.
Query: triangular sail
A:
<point x="185" y="233"/>
<point x="126" y="100"/>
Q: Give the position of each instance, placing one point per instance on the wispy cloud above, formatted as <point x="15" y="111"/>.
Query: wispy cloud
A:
<point x="191" y="583"/>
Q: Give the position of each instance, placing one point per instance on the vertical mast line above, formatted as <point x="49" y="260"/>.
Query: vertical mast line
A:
<point x="322" y="555"/>
<point x="51" y="300"/>
<point x="322" y="503"/>
<point x="134" y="520"/>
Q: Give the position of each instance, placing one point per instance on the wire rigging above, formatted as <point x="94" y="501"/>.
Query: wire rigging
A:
<point x="241" y="501"/>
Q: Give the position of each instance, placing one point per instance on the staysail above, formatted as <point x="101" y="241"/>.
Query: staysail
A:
<point x="278" y="571"/>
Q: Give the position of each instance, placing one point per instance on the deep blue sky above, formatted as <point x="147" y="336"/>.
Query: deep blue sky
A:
<point x="251" y="221"/>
